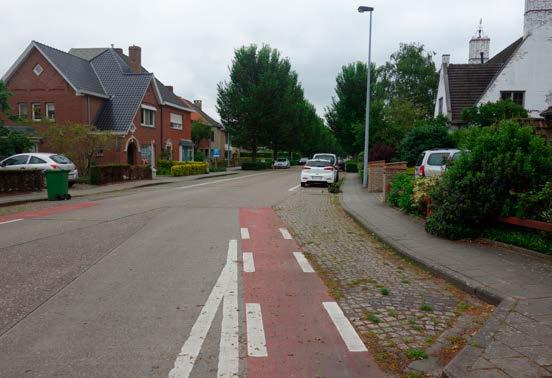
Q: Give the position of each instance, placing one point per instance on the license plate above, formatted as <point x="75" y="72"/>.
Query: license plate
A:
<point x="316" y="177"/>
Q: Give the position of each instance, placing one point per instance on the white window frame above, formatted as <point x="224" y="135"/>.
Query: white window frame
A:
<point x="33" y="111"/>
<point x="53" y="119"/>
<point x="19" y="110"/>
<point x="175" y="123"/>
<point x="510" y="96"/>
<point x="144" y="109"/>
<point x="38" y="70"/>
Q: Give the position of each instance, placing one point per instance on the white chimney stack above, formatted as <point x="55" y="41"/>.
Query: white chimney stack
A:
<point x="537" y="14"/>
<point x="480" y="47"/>
<point x="446" y="59"/>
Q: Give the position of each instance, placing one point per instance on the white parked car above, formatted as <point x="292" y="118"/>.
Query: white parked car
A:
<point x="434" y="162"/>
<point x="318" y="171"/>
<point x="281" y="164"/>
<point x="332" y="158"/>
<point x="43" y="161"/>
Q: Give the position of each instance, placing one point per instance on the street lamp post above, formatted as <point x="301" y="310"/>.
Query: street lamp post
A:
<point x="367" y="125"/>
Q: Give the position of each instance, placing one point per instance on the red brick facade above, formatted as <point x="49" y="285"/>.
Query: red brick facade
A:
<point x="51" y="87"/>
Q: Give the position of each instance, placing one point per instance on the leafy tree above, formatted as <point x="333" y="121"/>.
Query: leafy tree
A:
<point x="78" y="142"/>
<point x="425" y="136"/>
<point x="505" y="161"/>
<point x="492" y="113"/>
<point x="13" y="142"/>
<point x="200" y="131"/>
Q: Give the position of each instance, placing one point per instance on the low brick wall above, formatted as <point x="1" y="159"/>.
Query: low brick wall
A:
<point x="375" y="176"/>
<point x="390" y="171"/>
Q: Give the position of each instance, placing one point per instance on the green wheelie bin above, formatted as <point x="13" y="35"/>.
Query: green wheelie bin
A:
<point x="57" y="185"/>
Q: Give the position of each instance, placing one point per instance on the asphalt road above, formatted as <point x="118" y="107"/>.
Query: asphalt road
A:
<point x="149" y="283"/>
<point x="114" y="289"/>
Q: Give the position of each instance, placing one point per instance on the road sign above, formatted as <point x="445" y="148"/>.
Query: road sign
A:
<point x="215" y="152"/>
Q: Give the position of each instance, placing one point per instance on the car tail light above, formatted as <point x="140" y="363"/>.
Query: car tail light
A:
<point x="329" y="168"/>
<point x="305" y="168"/>
<point x="422" y="171"/>
<point x="54" y="166"/>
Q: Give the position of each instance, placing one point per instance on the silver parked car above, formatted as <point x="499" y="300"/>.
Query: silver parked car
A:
<point x="434" y="162"/>
<point x="282" y="164"/>
<point x="43" y="161"/>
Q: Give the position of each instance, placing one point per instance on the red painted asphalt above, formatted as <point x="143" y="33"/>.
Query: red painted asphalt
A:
<point x="47" y="212"/>
<point x="301" y="338"/>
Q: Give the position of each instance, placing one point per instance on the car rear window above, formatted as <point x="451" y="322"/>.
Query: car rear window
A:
<point x="317" y="163"/>
<point x="329" y="158"/>
<point x="281" y="160"/>
<point x="420" y="159"/>
<point x="440" y="158"/>
<point x="60" y="159"/>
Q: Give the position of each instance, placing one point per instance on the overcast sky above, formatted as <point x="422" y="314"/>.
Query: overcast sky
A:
<point x="190" y="44"/>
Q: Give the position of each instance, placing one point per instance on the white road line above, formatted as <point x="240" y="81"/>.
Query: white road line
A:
<point x="248" y="262"/>
<point x="229" y="355"/>
<point x="285" y="233"/>
<point x="346" y="330"/>
<point x="294" y="188"/>
<point x="11" y="221"/>
<point x="303" y="262"/>
<point x="244" y="233"/>
<point x="190" y="350"/>
<point x="219" y="181"/>
<point x="256" y="342"/>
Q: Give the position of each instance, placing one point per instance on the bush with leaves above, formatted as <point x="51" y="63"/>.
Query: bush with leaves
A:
<point x="400" y="195"/>
<point x="492" y="113"/>
<point x="504" y="159"/>
<point x="421" y="194"/>
<point x="13" y="142"/>
<point x="425" y="135"/>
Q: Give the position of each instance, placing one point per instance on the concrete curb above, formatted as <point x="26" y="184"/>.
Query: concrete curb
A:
<point x="459" y="366"/>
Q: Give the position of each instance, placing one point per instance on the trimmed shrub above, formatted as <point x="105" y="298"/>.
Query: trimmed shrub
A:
<point x="187" y="168"/>
<point x="504" y="161"/>
<point x="217" y="169"/>
<point x="164" y="167"/>
<point x="351" y="166"/>
<point x="400" y="195"/>
<point x="425" y="136"/>
<point x="255" y="166"/>
<point x="21" y="181"/>
<point x="382" y="151"/>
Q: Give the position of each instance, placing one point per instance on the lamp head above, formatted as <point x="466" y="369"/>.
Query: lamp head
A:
<point x="365" y="9"/>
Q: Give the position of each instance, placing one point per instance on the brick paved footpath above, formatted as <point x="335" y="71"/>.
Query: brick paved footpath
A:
<point x="517" y="340"/>
<point x="394" y="305"/>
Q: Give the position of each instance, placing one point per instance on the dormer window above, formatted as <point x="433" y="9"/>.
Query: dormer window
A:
<point x="38" y="70"/>
<point x="148" y="116"/>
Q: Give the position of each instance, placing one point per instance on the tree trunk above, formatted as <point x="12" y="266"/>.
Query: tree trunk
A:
<point x="254" y="153"/>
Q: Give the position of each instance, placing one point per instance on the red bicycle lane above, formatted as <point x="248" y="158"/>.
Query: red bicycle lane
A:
<point x="46" y="212"/>
<point x="302" y="340"/>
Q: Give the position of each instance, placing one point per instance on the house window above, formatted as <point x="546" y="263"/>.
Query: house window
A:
<point x="51" y="112"/>
<point x="516" y="96"/>
<point x="440" y="106"/>
<point x="176" y="121"/>
<point x="23" y="111"/>
<point x="148" y="116"/>
<point x="146" y="153"/>
<point x="38" y="70"/>
<point x="212" y="136"/>
<point x="37" y="112"/>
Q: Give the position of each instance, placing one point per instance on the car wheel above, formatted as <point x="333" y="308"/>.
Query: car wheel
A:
<point x="303" y="184"/>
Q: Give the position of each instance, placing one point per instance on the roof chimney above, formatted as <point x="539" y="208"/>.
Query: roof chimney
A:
<point x="198" y="104"/>
<point x="446" y="59"/>
<point x="480" y="46"/>
<point x="118" y="50"/>
<point x="135" y="59"/>
<point x="537" y="13"/>
<point x="170" y="88"/>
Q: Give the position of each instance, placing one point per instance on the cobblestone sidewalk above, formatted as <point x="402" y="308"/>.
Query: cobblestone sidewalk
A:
<point x="398" y="308"/>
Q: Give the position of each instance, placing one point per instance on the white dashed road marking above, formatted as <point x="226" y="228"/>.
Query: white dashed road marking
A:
<point x="248" y="262"/>
<point x="285" y="233"/>
<point x="219" y="181"/>
<point x="11" y="221"/>
<point x="256" y="342"/>
<point x="303" y="262"/>
<point x="294" y="188"/>
<point x="244" y="233"/>
<point x="344" y="327"/>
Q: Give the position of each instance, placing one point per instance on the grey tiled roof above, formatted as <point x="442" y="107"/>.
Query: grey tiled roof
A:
<point x="77" y="71"/>
<point x="126" y="91"/>
<point x="87" y="53"/>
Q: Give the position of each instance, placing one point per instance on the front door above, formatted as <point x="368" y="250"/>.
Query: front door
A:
<point x="131" y="153"/>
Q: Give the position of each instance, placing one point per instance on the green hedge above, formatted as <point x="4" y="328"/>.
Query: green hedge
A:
<point x="256" y="166"/>
<point x="351" y="166"/>
<point x="105" y="174"/>
<point x="400" y="195"/>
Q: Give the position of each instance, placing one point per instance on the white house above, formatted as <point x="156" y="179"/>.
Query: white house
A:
<point x="521" y="72"/>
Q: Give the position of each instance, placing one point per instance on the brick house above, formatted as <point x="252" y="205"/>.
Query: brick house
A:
<point x="105" y="88"/>
<point x="218" y="132"/>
